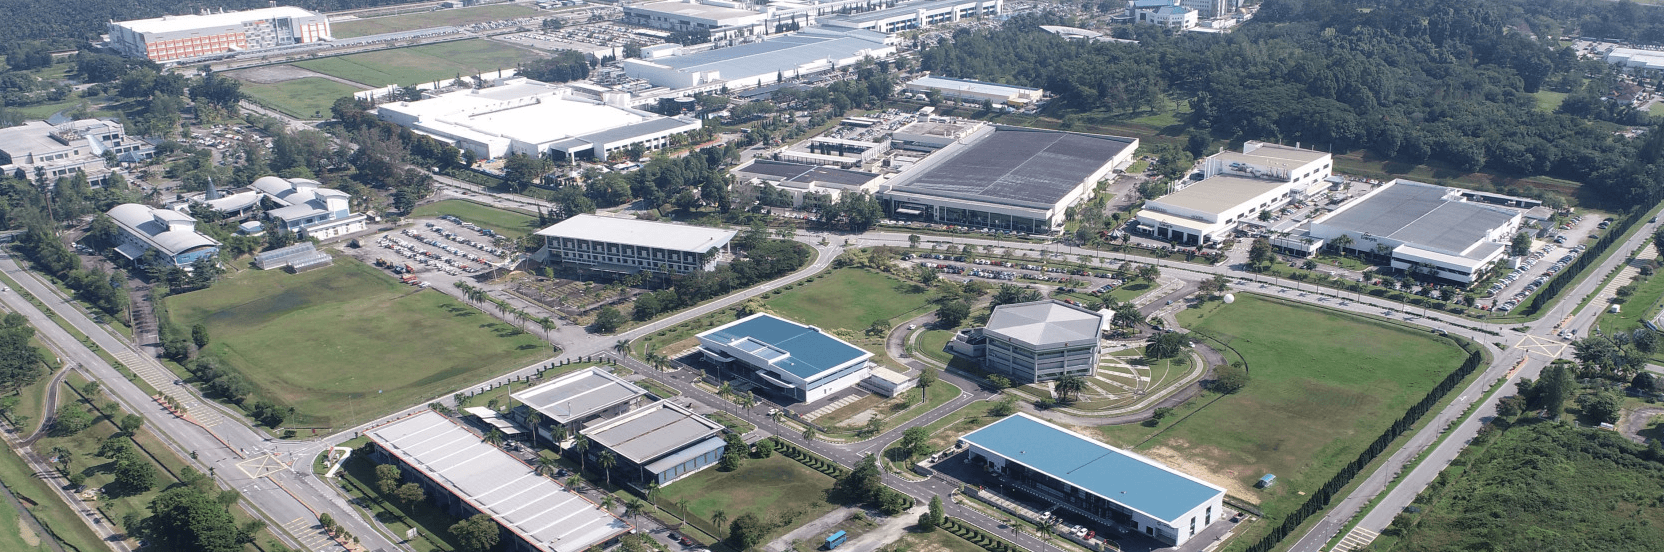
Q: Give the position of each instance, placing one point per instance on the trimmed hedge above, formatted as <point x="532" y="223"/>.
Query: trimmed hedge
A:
<point x="808" y="459"/>
<point x="977" y="536"/>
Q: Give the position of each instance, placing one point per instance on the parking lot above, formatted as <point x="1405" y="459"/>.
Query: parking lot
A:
<point x="442" y="249"/>
<point x="1565" y="243"/>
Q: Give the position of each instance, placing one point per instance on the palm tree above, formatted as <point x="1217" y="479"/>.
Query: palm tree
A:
<point x="719" y="518"/>
<point x="607" y="461"/>
<point x="926" y="379"/>
<point x="634" y="507"/>
<point x="809" y="434"/>
<point x="548" y="325"/>
<point x="557" y="433"/>
<point x="495" y="438"/>
<point x="581" y="444"/>
<point x="725" y="389"/>
<point x="683" y="506"/>
<point x="653" y="491"/>
<point x="622" y="347"/>
<point x="607" y="502"/>
<point x="1342" y="242"/>
<point x="546" y="466"/>
<point x="1070" y="385"/>
<point x="532" y="420"/>
<point x="574" y="482"/>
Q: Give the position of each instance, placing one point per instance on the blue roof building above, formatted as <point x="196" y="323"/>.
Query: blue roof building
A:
<point x="792" y="359"/>
<point x="1096" y="479"/>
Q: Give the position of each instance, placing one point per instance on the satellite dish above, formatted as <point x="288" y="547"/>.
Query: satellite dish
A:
<point x="1230" y="298"/>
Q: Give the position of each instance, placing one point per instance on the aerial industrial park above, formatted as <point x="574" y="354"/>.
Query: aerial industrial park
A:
<point x="794" y="275"/>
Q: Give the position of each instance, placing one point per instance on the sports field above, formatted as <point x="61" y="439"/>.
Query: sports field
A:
<point x="424" y="20"/>
<point x="847" y="298"/>
<point x="761" y="486"/>
<point x="1324" y="385"/>
<point x="509" y="223"/>
<point x="347" y="343"/>
<point x="420" y="64"/>
<point x="305" y="98"/>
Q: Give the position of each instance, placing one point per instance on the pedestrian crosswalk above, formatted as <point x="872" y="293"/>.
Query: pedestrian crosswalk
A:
<point x="1355" y="540"/>
<point x="310" y="534"/>
<point x="160" y="378"/>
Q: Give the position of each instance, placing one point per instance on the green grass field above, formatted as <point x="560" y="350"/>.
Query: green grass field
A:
<point x="440" y="18"/>
<point x="303" y="98"/>
<point x="509" y="223"/>
<point x="847" y="298"/>
<point x="1635" y="309"/>
<point x="931" y="343"/>
<point x="761" y="486"/>
<point x="1323" y="386"/>
<point x="1548" y="100"/>
<point x="420" y="64"/>
<point x="347" y="343"/>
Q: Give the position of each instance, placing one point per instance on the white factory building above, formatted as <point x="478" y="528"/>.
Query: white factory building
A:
<point x="629" y="246"/>
<point x="695" y="15"/>
<point x="1236" y="187"/>
<point x="1429" y="230"/>
<point x="1636" y="60"/>
<point x="916" y="15"/>
<point x="531" y="117"/>
<point x="183" y="37"/>
<point x="62" y="148"/>
<point x="964" y="90"/>
<point x="759" y="63"/>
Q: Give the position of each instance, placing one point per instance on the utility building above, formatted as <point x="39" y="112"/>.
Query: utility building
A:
<point x="1034" y="342"/>
<point x="1100" y="482"/>
<point x="183" y="37"/>
<point x="1235" y="187"/>
<point x="791" y="359"/>
<point x="579" y="399"/>
<point x="760" y="63"/>
<point x="629" y="246"/>
<point x="963" y="90"/>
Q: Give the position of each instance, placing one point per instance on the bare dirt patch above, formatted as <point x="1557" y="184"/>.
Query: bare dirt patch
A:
<point x="272" y="74"/>
<point x="1186" y="463"/>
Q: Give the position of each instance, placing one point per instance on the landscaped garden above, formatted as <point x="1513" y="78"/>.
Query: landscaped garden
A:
<point x="347" y="343"/>
<point x="773" y="489"/>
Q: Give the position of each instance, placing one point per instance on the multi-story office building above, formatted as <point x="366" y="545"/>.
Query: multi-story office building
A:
<point x="61" y="149"/>
<point x="1033" y="342"/>
<point x="629" y="246"/>
<point x="794" y="360"/>
<point x="183" y="37"/>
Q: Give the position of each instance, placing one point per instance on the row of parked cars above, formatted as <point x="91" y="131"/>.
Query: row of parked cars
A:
<point x="1539" y="281"/>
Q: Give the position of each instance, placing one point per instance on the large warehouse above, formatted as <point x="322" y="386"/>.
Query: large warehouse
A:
<point x="1096" y="480"/>
<point x="466" y="476"/>
<point x="763" y="62"/>
<point x="575" y="400"/>
<point x="658" y="443"/>
<point x="1034" y="342"/>
<point x="1422" y="228"/>
<point x="690" y="15"/>
<point x="1235" y="187"/>
<point x="629" y="246"/>
<point x="798" y="361"/>
<point x="1006" y="178"/>
<point x="963" y="90"/>
<point x="915" y="15"/>
<point x="531" y="117"/>
<point x="182" y="37"/>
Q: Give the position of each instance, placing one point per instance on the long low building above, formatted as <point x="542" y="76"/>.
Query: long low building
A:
<point x="181" y="37"/>
<point x="532" y="118"/>
<point x="761" y="63"/>
<point x="1235" y="187"/>
<point x="578" y="399"/>
<point x="629" y="246"/>
<point x="801" y="180"/>
<point x="1420" y="228"/>
<point x="466" y="476"/>
<point x="963" y="90"/>
<point x="915" y="15"/>
<point x="1006" y="178"/>
<point x="171" y="234"/>
<point x="1096" y="480"/>
<point x="659" y="443"/>
<point x="794" y="360"/>
<point x="690" y="15"/>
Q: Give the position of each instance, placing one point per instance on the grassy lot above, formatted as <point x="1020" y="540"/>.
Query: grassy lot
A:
<point x="1324" y="385"/>
<point x="1656" y="109"/>
<point x="761" y="486"/>
<point x="732" y="422"/>
<point x="935" y="541"/>
<point x="58" y="517"/>
<point x="931" y="343"/>
<point x="420" y="64"/>
<point x="284" y="332"/>
<point x="45" y="110"/>
<point x="1549" y="100"/>
<point x="944" y="433"/>
<point x="433" y="524"/>
<point x="1366" y="164"/>
<point x="849" y="299"/>
<point x="509" y="223"/>
<point x="303" y="98"/>
<point x="440" y="18"/>
<point x="1635" y="309"/>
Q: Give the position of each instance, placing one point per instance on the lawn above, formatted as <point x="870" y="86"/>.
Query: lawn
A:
<point x="761" y="486"/>
<point x="421" y="64"/>
<point x="1549" y="100"/>
<point x="431" y="522"/>
<point x="509" y="223"/>
<point x="347" y="343"/>
<point x="38" y="498"/>
<point x="931" y="344"/>
<point x="1636" y="308"/>
<point x="303" y="98"/>
<point x="424" y="20"/>
<point x="1323" y="386"/>
<point x="850" y="299"/>
<point x="935" y="541"/>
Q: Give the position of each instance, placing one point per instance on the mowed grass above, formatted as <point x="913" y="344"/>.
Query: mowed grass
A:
<point x="509" y="223"/>
<point x="761" y="486"/>
<point x="1549" y="100"/>
<point x="424" y="20"/>
<point x="847" y="298"/>
<point x="1636" y="308"/>
<point x="420" y="64"/>
<point x="1323" y="386"/>
<point x="347" y="343"/>
<point x="303" y="98"/>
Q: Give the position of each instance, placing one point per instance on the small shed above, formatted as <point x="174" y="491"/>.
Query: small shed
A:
<point x="1267" y="481"/>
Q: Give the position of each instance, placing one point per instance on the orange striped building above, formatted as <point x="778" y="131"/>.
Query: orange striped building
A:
<point x="184" y="37"/>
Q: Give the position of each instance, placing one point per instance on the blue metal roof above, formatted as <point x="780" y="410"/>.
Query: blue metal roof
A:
<point x="1132" y="481"/>
<point x="808" y="351"/>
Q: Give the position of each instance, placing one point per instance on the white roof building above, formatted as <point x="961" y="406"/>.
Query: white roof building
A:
<point x="689" y="15"/>
<point x="308" y="207"/>
<point x="1235" y="187"/>
<point x="63" y="148"/>
<point x="531" y="117"/>
<point x="171" y="234"/>
<point x="543" y="514"/>
<point x="1423" y="228"/>
<point x="181" y="37"/>
<point x="630" y="245"/>
<point x="976" y="91"/>
<point x="764" y="62"/>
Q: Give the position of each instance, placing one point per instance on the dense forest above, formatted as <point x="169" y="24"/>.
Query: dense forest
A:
<point x="1544" y="486"/>
<point x="86" y="19"/>
<point x="1411" y="80"/>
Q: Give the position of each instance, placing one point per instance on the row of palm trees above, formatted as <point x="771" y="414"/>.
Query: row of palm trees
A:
<point x="476" y="295"/>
